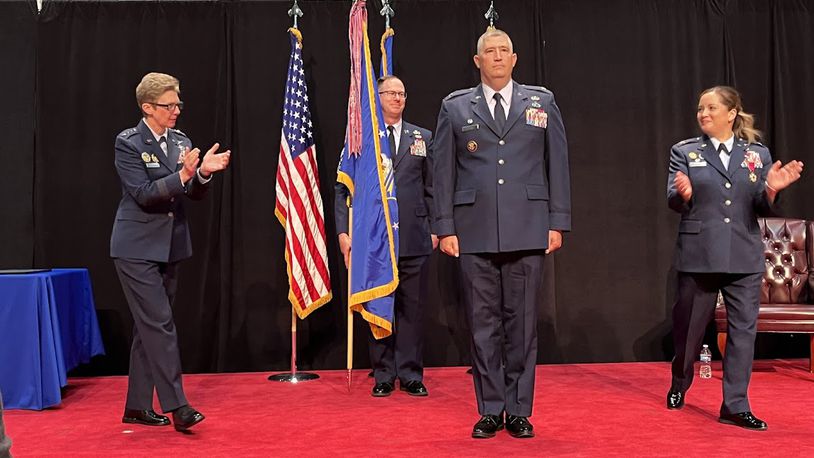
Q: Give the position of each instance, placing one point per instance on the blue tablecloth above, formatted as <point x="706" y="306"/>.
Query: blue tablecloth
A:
<point x="47" y="327"/>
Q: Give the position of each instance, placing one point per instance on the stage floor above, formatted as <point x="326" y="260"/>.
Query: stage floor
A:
<point x="580" y="410"/>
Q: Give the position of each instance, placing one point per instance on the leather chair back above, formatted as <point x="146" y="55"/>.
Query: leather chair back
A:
<point x="810" y="251"/>
<point x="788" y="263"/>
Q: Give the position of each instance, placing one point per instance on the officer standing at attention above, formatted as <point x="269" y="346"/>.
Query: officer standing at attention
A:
<point x="401" y="354"/>
<point x="720" y="183"/>
<point x="503" y="199"/>
<point x="150" y="236"/>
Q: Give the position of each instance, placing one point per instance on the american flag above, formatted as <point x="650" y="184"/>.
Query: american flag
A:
<point x="299" y="203"/>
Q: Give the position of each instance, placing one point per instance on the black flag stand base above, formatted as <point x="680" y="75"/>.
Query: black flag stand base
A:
<point x="293" y="378"/>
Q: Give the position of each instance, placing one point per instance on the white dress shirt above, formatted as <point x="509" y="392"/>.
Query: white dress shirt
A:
<point x="729" y="144"/>
<point x="505" y="94"/>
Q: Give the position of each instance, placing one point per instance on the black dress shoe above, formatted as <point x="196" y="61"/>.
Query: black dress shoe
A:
<point x="414" y="388"/>
<point x="186" y="417"/>
<point x="382" y="389"/>
<point x="144" y="417"/>
<point x="487" y="426"/>
<point x="675" y="399"/>
<point x="744" y="420"/>
<point x="519" y="427"/>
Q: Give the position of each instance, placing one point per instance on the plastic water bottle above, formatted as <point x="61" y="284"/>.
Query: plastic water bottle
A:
<point x="705" y="370"/>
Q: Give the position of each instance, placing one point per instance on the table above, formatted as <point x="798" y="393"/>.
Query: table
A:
<point x="48" y="326"/>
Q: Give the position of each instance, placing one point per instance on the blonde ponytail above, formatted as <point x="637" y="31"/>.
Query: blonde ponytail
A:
<point x="744" y="127"/>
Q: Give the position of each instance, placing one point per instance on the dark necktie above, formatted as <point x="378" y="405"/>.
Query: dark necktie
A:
<point x="162" y="142"/>
<point x="391" y="139"/>
<point x="722" y="149"/>
<point x="500" y="114"/>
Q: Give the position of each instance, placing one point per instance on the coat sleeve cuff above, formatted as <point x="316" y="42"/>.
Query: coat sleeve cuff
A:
<point x="559" y="221"/>
<point x="444" y="227"/>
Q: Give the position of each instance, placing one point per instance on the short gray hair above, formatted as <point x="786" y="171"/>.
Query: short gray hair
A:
<point x="494" y="33"/>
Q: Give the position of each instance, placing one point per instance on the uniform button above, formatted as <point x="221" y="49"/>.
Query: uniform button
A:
<point x="501" y="142"/>
<point x="501" y="161"/>
<point x="728" y="202"/>
<point x="728" y="185"/>
<point x="170" y="214"/>
<point x="726" y="220"/>
<point x="500" y="181"/>
<point x="172" y="199"/>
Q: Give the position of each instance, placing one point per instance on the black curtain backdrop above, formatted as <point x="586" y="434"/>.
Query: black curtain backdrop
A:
<point x="626" y="74"/>
<point x="18" y="29"/>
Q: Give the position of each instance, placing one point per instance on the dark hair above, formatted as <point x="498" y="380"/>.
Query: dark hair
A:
<point x="744" y="125"/>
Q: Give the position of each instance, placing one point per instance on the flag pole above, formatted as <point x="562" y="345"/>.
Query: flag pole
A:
<point x="294" y="376"/>
<point x="350" y="343"/>
<point x="350" y="311"/>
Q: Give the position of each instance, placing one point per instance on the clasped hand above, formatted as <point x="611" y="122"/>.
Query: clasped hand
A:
<point x="212" y="162"/>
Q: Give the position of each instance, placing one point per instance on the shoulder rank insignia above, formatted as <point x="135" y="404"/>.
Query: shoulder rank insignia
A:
<point x="459" y="92"/>
<point x="689" y="140"/>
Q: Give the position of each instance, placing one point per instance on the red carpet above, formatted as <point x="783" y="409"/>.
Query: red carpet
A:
<point x="580" y="410"/>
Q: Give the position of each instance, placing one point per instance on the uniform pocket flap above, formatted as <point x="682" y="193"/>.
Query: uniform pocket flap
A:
<point x="133" y="215"/>
<point x="537" y="192"/>
<point x="689" y="226"/>
<point x="464" y="197"/>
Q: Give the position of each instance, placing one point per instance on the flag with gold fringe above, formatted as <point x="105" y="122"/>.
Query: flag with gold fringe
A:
<point x="366" y="168"/>
<point x="299" y="203"/>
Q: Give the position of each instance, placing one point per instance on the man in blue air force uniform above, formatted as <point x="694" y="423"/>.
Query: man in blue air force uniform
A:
<point x="502" y="193"/>
<point x="158" y="171"/>
<point x="400" y="355"/>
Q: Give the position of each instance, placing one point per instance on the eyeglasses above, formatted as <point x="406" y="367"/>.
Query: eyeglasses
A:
<point x="394" y="94"/>
<point x="169" y="106"/>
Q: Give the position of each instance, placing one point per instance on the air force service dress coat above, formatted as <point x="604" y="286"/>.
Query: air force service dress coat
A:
<point x="718" y="231"/>
<point x="150" y="222"/>
<point x="501" y="191"/>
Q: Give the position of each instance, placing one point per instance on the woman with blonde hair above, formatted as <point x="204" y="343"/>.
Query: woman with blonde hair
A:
<point x="720" y="183"/>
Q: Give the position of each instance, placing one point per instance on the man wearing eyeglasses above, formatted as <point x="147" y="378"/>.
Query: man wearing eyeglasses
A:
<point x="158" y="169"/>
<point x="400" y="355"/>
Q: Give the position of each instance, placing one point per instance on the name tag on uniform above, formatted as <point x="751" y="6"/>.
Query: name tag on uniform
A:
<point x="470" y="127"/>
<point x="536" y="117"/>
<point x="150" y="161"/>
<point x="698" y="164"/>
